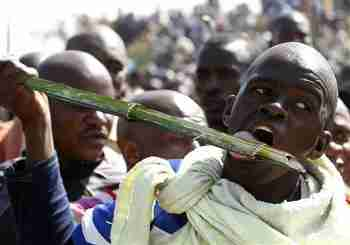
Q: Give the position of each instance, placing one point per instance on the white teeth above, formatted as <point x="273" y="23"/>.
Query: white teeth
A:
<point x="263" y="128"/>
<point x="244" y="135"/>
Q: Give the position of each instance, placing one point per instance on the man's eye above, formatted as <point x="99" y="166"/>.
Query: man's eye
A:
<point x="261" y="91"/>
<point x="302" y="106"/>
<point x="341" y="138"/>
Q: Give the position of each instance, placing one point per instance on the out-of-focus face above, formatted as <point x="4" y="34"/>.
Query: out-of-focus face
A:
<point x="217" y="77"/>
<point x="79" y="133"/>
<point x="153" y="141"/>
<point x="339" y="148"/>
<point x="116" y="70"/>
<point x="139" y="140"/>
<point x="105" y="45"/>
<point x="293" y="28"/>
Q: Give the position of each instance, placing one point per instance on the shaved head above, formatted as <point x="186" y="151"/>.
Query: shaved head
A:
<point x="169" y="102"/>
<point x="297" y="61"/>
<point x="33" y="59"/>
<point x="172" y="103"/>
<point x="76" y="69"/>
<point x="101" y="40"/>
<point x="137" y="135"/>
<point x="293" y="26"/>
<point x="106" y="45"/>
<point x="79" y="133"/>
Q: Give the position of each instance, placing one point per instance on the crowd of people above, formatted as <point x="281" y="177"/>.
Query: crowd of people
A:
<point x="71" y="175"/>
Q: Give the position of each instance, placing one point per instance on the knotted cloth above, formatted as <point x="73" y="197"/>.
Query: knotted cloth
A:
<point x="222" y="212"/>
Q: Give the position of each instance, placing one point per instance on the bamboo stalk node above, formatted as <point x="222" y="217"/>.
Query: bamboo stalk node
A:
<point x="131" y="108"/>
<point x="258" y="147"/>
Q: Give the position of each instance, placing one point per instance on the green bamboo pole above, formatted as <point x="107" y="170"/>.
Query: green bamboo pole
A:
<point x="137" y="112"/>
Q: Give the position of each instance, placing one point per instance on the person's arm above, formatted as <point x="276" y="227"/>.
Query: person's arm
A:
<point x="35" y="186"/>
<point x="40" y="203"/>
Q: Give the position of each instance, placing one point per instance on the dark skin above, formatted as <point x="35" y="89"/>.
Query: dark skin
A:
<point x="107" y="46"/>
<point x="288" y="108"/>
<point x="218" y="73"/>
<point x="79" y="133"/>
<point x="339" y="148"/>
<point x="32" y="59"/>
<point x="139" y="140"/>
<point x="290" y="27"/>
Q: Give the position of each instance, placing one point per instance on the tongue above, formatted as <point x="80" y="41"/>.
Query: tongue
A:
<point x="244" y="135"/>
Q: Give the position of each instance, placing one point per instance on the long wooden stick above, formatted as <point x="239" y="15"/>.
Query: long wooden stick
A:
<point x="133" y="111"/>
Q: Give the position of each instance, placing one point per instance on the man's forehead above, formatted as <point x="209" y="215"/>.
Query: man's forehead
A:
<point x="295" y="87"/>
<point x="293" y="64"/>
<point x="291" y="76"/>
<point x="217" y="57"/>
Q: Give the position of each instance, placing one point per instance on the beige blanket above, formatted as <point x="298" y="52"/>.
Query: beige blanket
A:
<point x="221" y="212"/>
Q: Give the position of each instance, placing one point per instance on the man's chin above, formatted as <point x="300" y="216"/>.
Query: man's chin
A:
<point x="260" y="171"/>
<point x="93" y="153"/>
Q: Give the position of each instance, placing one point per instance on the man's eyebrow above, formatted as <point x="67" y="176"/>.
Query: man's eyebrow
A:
<point x="309" y="87"/>
<point x="263" y="80"/>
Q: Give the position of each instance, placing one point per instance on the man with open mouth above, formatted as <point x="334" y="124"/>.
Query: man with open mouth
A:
<point x="287" y="100"/>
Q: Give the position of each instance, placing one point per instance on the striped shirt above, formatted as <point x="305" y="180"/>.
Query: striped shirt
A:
<point x="96" y="224"/>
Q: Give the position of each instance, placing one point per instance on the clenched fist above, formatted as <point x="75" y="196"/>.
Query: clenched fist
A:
<point x="31" y="107"/>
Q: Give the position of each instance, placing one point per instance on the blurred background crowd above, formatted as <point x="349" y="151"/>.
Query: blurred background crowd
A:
<point x="163" y="45"/>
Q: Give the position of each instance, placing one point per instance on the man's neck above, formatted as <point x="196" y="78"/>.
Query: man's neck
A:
<point x="77" y="169"/>
<point x="278" y="188"/>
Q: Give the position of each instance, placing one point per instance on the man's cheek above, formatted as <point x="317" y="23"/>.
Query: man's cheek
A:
<point x="346" y="173"/>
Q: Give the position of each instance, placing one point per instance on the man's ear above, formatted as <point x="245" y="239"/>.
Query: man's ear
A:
<point x="321" y="145"/>
<point x="130" y="152"/>
<point x="230" y="100"/>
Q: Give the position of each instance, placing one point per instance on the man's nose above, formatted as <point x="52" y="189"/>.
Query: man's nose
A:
<point x="211" y="81"/>
<point x="274" y="110"/>
<point x="337" y="154"/>
<point x="96" y="118"/>
<point x="334" y="150"/>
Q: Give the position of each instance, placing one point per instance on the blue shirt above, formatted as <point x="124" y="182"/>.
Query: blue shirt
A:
<point x="43" y="214"/>
<point x="96" y="227"/>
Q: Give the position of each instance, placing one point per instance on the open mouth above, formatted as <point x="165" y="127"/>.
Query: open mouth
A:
<point x="263" y="134"/>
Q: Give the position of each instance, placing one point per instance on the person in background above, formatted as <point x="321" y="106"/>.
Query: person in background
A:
<point x="339" y="148"/>
<point x="33" y="59"/>
<point x="221" y="62"/>
<point x="88" y="167"/>
<point x="134" y="137"/>
<point x="292" y="26"/>
<point x="106" y="45"/>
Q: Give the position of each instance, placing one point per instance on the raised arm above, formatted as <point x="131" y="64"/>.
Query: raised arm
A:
<point x="35" y="185"/>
